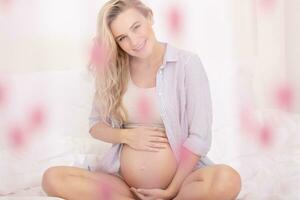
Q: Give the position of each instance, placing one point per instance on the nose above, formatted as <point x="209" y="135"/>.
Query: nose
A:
<point x="134" y="41"/>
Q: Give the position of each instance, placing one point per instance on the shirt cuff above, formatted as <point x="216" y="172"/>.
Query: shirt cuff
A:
<point x="197" y="145"/>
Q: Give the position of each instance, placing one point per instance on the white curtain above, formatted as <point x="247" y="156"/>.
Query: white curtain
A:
<point x="267" y="50"/>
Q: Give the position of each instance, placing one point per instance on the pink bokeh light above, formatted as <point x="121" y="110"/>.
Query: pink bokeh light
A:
<point x="144" y="109"/>
<point x="175" y="19"/>
<point x="284" y="97"/>
<point x="183" y="154"/>
<point x="267" y="5"/>
<point x="266" y="135"/>
<point x="106" y="191"/>
<point x="98" y="56"/>
<point x="6" y="3"/>
<point x="21" y="133"/>
<point x="247" y="120"/>
<point x="17" y="137"/>
<point x="262" y="132"/>
<point x="3" y="94"/>
<point x="37" y="118"/>
<point x="6" y="6"/>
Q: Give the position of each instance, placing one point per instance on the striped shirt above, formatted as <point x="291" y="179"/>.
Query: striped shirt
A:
<point x="185" y="106"/>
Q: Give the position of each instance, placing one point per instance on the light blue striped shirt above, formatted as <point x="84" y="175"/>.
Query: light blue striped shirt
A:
<point x="185" y="106"/>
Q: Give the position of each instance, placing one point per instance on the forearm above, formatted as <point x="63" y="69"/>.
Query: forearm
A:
<point x="184" y="169"/>
<point x="103" y="132"/>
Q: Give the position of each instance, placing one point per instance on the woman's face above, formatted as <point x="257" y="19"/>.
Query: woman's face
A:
<point x="133" y="32"/>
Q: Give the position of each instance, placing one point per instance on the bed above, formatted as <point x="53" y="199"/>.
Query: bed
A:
<point x="270" y="173"/>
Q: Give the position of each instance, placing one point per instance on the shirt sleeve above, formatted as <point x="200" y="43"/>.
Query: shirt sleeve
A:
<point x="199" y="108"/>
<point x="95" y="115"/>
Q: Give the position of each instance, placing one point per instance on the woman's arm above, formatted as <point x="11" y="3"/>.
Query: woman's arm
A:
<point x="185" y="167"/>
<point x="100" y="129"/>
<point x="199" y="115"/>
<point x="103" y="132"/>
<point x="198" y="108"/>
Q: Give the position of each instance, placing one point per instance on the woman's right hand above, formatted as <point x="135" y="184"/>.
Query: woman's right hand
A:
<point x="145" y="139"/>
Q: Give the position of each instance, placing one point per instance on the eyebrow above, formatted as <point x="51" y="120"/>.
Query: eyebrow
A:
<point x="129" y="28"/>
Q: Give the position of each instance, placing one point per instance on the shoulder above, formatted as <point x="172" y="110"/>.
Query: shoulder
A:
<point x="191" y="66"/>
<point x="188" y="63"/>
<point x="186" y="57"/>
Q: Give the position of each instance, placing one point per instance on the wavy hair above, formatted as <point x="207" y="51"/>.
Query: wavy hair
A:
<point x="112" y="73"/>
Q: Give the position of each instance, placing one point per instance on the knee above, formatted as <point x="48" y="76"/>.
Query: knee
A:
<point x="227" y="183"/>
<point x="50" y="180"/>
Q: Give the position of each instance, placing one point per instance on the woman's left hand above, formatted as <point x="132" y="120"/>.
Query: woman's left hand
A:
<point x="152" y="194"/>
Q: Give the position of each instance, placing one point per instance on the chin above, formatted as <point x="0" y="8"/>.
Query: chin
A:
<point x="144" y="55"/>
<point x="146" y="52"/>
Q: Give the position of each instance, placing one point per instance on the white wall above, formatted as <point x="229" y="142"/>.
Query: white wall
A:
<point x="267" y="50"/>
<point x="293" y="46"/>
<point x="41" y="34"/>
<point x="47" y="35"/>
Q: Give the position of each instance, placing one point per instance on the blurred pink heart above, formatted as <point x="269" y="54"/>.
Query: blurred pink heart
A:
<point x="144" y="109"/>
<point x="267" y="5"/>
<point x="3" y="93"/>
<point x="183" y="154"/>
<point x="284" y="97"/>
<point x="247" y="120"/>
<point x="37" y="117"/>
<point x="17" y="137"/>
<point x="98" y="55"/>
<point x="266" y="135"/>
<point x="175" y="19"/>
<point x="106" y="191"/>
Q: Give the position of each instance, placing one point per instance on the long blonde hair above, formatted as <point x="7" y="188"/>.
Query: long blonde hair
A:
<point x="111" y="78"/>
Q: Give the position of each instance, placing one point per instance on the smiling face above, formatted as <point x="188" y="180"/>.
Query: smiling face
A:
<point x="133" y="32"/>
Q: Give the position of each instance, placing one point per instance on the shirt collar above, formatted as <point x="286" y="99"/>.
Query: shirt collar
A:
<point x="171" y="55"/>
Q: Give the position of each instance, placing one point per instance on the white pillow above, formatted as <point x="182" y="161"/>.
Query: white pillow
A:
<point x="64" y="138"/>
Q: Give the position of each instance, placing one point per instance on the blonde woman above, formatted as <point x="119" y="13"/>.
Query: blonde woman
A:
<point x="164" y="156"/>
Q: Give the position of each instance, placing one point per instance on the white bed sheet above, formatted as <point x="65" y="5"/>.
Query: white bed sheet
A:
<point x="272" y="174"/>
<point x="32" y="193"/>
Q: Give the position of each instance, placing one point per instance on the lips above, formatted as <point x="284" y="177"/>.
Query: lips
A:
<point x="140" y="47"/>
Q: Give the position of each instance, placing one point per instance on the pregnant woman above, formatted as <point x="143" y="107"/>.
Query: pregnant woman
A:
<point x="152" y="102"/>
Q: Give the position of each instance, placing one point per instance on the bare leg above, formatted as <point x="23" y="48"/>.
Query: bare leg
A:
<point x="211" y="183"/>
<point x="194" y="190"/>
<point x="74" y="183"/>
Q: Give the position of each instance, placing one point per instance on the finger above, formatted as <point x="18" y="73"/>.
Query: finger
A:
<point x="141" y="196"/>
<point x="145" y="197"/>
<point x="159" y="134"/>
<point x="145" y="192"/>
<point x="157" y="145"/>
<point x="160" y="139"/>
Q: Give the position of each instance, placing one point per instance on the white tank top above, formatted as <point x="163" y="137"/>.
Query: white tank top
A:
<point x="142" y="107"/>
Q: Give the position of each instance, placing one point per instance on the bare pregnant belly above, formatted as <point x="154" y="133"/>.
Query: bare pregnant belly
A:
<point x="145" y="169"/>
